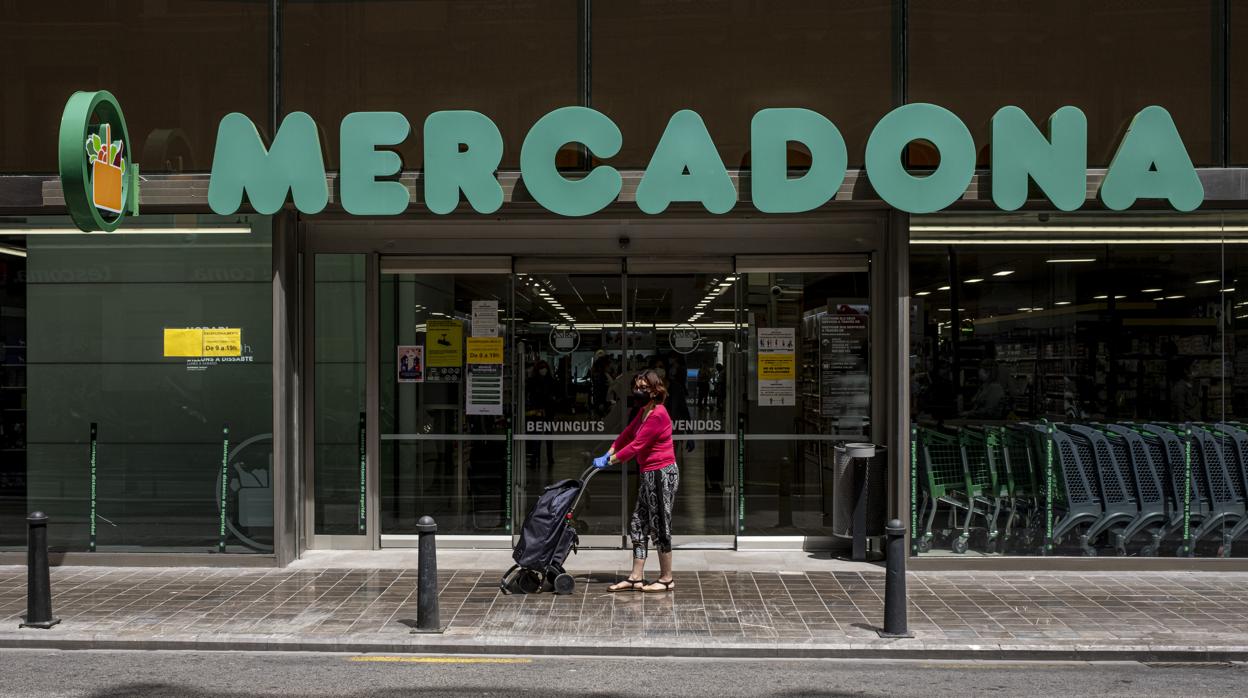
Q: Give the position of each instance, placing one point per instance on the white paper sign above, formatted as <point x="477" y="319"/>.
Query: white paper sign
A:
<point x="485" y="318"/>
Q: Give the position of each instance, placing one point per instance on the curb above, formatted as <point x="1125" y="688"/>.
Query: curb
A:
<point x="896" y="649"/>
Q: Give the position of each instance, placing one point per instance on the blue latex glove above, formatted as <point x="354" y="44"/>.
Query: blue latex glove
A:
<point x="602" y="461"/>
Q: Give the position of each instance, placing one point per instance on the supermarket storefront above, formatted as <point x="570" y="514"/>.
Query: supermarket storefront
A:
<point x="341" y="304"/>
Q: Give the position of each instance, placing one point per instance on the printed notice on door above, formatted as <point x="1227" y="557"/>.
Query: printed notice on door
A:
<point x="485" y="318"/>
<point x="444" y="351"/>
<point x="484" y="387"/>
<point x="777" y="367"/>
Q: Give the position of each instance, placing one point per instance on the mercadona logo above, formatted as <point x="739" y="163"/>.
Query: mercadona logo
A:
<point x="101" y="185"/>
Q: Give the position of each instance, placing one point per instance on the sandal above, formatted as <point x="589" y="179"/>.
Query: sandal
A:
<point x="667" y="586"/>
<point x="635" y="584"/>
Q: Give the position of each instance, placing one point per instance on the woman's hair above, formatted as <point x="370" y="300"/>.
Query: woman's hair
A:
<point x="658" y="387"/>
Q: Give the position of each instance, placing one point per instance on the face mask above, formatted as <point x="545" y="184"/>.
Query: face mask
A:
<point x="542" y="372"/>
<point x="641" y="394"/>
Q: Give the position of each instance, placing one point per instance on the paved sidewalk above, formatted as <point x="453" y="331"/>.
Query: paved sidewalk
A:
<point x="1155" y="616"/>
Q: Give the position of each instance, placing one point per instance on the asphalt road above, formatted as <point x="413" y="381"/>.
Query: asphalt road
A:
<point x="231" y="674"/>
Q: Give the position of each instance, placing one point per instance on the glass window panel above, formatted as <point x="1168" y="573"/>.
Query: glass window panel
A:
<point x="1110" y="59"/>
<point x="726" y="61"/>
<point x="173" y="95"/>
<point x="1065" y="395"/>
<point x="340" y="394"/>
<point x="574" y="389"/>
<point x="789" y="465"/>
<point x="97" y="308"/>
<point x="13" y="396"/>
<point x="513" y="61"/>
<point x="439" y="457"/>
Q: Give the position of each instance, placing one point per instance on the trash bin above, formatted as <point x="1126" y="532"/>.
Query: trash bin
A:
<point x="846" y="457"/>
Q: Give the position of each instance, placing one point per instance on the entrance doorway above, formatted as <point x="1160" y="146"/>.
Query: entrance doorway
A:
<point x="460" y="387"/>
<point x="583" y="328"/>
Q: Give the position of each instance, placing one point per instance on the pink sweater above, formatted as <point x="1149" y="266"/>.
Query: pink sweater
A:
<point x="649" y="440"/>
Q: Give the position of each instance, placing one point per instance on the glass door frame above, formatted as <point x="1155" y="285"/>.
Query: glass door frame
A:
<point x="369" y="540"/>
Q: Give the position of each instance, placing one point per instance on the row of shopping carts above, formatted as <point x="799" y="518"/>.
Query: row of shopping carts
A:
<point x="1142" y="489"/>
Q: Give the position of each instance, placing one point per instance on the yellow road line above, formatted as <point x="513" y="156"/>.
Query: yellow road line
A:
<point x="443" y="660"/>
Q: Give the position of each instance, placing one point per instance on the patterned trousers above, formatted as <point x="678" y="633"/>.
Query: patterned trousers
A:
<point x="652" y="517"/>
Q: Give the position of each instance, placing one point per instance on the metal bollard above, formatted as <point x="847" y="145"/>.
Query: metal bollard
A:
<point x="38" y="581"/>
<point x="427" y="577"/>
<point x="895" y="582"/>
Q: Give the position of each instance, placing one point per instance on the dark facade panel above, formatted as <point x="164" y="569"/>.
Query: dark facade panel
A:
<point x="727" y="61"/>
<point x="1110" y="59"/>
<point x="176" y="69"/>
<point x="512" y="61"/>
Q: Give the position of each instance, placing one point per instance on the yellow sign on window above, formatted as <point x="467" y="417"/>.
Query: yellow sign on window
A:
<point x="776" y="366"/>
<point x="223" y="342"/>
<point x="197" y="342"/>
<point x="485" y="350"/>
<point x="444" y="343"/>
<point x="184" y="342"/>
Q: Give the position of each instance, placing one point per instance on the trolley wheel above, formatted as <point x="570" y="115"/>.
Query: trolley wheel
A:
<point x="959" y="545"/>
<point x="925" y="544"/>
<point x="528" y="582"/>
<point x="564" y="584"/>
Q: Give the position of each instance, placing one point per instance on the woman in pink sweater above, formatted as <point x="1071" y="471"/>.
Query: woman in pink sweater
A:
<point x="648" y="439"/>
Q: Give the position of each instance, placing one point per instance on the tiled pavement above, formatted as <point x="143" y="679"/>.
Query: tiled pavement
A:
<point x="800" y="613"/>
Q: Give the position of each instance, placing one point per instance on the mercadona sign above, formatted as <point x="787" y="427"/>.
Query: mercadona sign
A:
<point x="463" y="149"/>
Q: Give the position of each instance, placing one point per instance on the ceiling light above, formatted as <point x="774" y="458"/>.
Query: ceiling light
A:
<point x="1170" y="298"/>
<point x="14" y="251"/>
<point x="923" y="293"/>
<point x="1003" y="272"/>
<point x="1160" y="298"/>
<point x="1099" y="298"/>
<point x="943" y="288"/>
<point x="972" y="281"/>
<point x="1207" y="281"/>
<point x="1062" y="303"/>
<point x="1024" y="310"/>
<point x="610" y="310"/>
<point x="1119" y="297"/>
<point x="1228" y="290"/>
<point x="1071" y="260"/>
<point x="1151" y="290"/>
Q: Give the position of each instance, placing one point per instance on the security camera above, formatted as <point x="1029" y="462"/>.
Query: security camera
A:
<point x="776" y="290"/>
<point x="624" y="240"/>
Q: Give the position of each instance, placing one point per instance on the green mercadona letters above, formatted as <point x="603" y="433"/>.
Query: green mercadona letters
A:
<point x="463" y="149"/>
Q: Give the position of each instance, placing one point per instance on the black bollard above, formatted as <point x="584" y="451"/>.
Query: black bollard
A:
<point x="895" y="582"/>
<point x="427" y="577"/>
<point x="38" y="581"/>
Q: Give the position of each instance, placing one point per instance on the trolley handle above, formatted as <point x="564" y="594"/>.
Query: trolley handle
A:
<point x="585" y="477"/>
